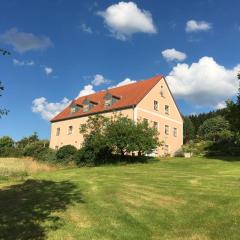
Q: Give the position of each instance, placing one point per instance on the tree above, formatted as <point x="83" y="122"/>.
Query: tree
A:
<point x="233" y="112"/>
<point x="145" y="138"/>
<point x="188" y="130"/>
<point x="126" y="136"/>
<point x="6" y="146"/>
<point x="3" y="111"/>
<point x="215" y="129"/>
<point x="6" y="142"/>
<point x="27" y="141"/>
<point x="120" y="133"/>
<point x="4" y="52"/>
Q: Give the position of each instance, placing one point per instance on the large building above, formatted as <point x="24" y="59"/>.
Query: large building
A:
<point x="150" y="100"/>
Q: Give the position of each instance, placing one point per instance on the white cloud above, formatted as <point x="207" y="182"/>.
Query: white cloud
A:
<point x="85" y="28"/>
<point x="125" y="19"/>
<point x="196" y="26"/>
<point x="99" y="80"/>
<point x="221" y="105"/>
<point x="125" y="82"/>
<point x="204" y="83"/>
<point x="23" y="42"/>
<point x="48" y="70"/>
<point x="23" y="63"/>
<point x="48" y="110"/>
<point x="173" y="54"/>
<point x="88" y="89"/>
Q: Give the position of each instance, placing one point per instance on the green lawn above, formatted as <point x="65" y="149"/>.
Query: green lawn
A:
<point x="196" y="199"/>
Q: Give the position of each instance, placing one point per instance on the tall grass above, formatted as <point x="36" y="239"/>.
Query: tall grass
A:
<point x="21" y="167"/>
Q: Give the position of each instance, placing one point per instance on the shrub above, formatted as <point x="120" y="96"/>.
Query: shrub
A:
<point x="66" y="154"/>
<point x="6" y="146"/>
<point x="88" y="156"/>
<point x="34" y="149"/>
<point x="47" y="155"/>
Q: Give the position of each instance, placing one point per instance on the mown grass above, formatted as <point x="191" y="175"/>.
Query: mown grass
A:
<point x="175" y="199"/>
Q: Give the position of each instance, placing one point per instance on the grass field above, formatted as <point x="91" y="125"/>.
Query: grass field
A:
<point x="197" y="199"/>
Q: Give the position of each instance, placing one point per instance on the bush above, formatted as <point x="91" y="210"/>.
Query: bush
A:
<point x="88" y="156"/>
<point x="47" y="155"/>
<point x="66" y="154"/>
<point x="34" y="149"/>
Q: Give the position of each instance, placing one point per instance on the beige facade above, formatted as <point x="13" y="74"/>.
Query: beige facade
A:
<point x="157" y="107"/>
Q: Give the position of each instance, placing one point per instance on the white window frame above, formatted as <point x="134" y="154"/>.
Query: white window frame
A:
<point x="167" y="111"/>
<point x="58" y="131"/>
<point x="157" y="108"/>
<point x="69" y="132"/>
<point x="157" y="124"/>
<point x="167" y="128"/>
<point x="175" y="132"/>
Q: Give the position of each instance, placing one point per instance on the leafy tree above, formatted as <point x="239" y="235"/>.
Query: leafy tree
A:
<point x="145" y="139"/>
<point x="95" y="149"/>
<point x="6" y="146"/>
<point x="126" y="136"/>
<point x="6" y="142"/>
<point x="4" y="52"/>
<point x="3" y="111"/>
<point x="188" y="130"/>
<point x="28" y="140"/>
<point x="120" y="134"/>
<point x="233" y="113"/>
<point x="215" y="129"/>
<point x="66" y="153"/>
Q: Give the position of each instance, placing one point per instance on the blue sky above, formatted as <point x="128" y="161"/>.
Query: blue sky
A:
<point x="61" y="47"/>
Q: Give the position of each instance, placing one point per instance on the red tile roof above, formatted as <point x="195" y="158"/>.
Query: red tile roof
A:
<point x="129" y="95"/>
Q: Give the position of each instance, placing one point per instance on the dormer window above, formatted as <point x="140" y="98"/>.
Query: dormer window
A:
<point x="74" y="107"/>
<point x="88" y="105"/>
<point x="109" y="99"/>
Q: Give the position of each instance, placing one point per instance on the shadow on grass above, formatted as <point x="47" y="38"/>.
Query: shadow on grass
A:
<point x="24" y="208"/>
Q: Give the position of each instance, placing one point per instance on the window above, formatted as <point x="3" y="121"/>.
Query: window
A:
<point x="166" y="129"/>
<point x="70" y="129"/>
<point x="155" y="105"/>
<point x="85" y="108"/>
<point x="166" y="149"/>
<point x="175" y="132"/>
<point x="161" y="92"/>
<point x="167" y="109"/>
<point x="58" y="132"/>
<point x="155" y="125"/>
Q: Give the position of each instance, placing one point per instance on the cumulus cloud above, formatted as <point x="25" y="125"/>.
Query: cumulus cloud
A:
<point x="204" y="83"/>
<point x="23" y="42"/>
<point x="172" y="54"/>
<point x="48" y="110"/>
<point x="125" y="19"/>
<point x="125" y="82"/>
<point x="99" y="80"/>
<point x="196" y="26"/>
<point x="85" y="28"/>
<point x="48" y="70"/>
<point x="88" y="89"/>
<point x="23" y="63"/>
